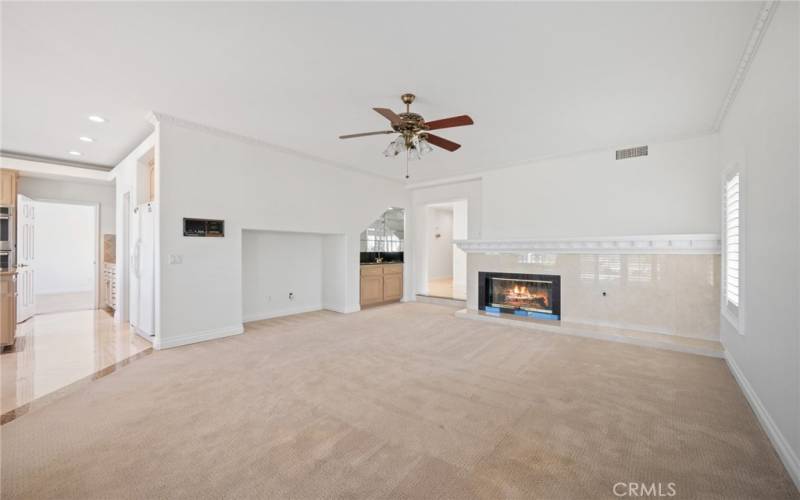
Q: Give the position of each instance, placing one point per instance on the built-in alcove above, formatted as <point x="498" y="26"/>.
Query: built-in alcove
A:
<point x="287" y="273"/>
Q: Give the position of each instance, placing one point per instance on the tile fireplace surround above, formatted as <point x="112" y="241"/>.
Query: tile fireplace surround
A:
<point x="674" y="294"/>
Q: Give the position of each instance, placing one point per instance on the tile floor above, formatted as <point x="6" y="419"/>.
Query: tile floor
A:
<point x="53" y="351"/>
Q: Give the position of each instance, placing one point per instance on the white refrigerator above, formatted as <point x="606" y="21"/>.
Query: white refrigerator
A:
<point x="143" y="266"/>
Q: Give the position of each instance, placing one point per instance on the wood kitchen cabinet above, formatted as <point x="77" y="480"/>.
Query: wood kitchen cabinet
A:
<point x="8" y="187"/>
<point x="8" y="307"/>
<point x="381" y="283"/>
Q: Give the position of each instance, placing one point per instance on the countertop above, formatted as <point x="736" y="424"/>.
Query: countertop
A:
<point x="380" y="263"/>
<point x="6" y="271"/>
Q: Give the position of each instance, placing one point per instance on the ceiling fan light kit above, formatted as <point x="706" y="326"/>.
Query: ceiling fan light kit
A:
<point x="415" y="138"/>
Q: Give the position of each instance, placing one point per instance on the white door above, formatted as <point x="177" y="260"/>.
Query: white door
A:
<point x="26" y="257"/>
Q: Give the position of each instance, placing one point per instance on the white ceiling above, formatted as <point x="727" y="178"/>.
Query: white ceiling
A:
<point x="538" y="78"/>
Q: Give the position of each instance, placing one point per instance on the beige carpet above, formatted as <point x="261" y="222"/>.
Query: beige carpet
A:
<point x="403" y="401"/>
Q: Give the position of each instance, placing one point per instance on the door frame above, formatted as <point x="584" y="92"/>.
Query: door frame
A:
<point x="98" y="241"/>
<point x="123" y="265"/>
<point x="421" y="256"/>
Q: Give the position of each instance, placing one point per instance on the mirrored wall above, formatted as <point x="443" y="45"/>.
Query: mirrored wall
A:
<point x="386" y="234"/>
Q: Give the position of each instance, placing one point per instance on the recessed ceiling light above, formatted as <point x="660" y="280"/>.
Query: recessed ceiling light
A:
<point x="86" y="139"/>
<point x="75" y="153"/>
<point x="97" y="119"/>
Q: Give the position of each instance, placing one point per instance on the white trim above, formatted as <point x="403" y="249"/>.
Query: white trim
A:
<point x="445" y="180"/>
<point x="216" y="333"/>
<point x="653" y="244"/>
<point x="281" y="312"/>
<point x="759" y="29"/>
<point x="48" y="170"/>
<point x="157" y="117"/>
<point x="779" y="441"/>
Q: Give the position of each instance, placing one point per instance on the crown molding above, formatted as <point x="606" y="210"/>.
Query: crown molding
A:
<point x="28" y="167"/>
<point x="691" y="244"/>
<point x="757" y="34"/>
<point x="54" y="161"/>
<point x="156" y="118"/>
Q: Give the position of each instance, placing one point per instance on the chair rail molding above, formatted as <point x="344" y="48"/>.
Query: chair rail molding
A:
<point x="691" y="244"/>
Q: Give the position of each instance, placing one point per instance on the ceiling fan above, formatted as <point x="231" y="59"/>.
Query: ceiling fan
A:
<point x="415" y="137"/>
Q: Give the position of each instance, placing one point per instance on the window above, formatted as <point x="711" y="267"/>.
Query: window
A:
<point x="732" y="246"/>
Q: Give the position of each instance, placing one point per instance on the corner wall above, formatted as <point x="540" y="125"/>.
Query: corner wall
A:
<point x="760" y="135"/>
<point x="206" y="173"/>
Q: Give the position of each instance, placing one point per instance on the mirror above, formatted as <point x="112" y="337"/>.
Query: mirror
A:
<point x="386" y="234"/>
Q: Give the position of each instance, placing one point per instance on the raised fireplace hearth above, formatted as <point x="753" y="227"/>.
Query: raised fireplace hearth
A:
<point x="530" y="295"/>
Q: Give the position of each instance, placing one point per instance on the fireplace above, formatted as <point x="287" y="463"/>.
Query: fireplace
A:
<point x="529" y="295"/>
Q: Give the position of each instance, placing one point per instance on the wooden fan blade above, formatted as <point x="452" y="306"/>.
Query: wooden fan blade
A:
<point x="453" y="121"/>
<point x="442" y="142"/>
<point x="389" y="115"/>
<point x="350" y="136"/>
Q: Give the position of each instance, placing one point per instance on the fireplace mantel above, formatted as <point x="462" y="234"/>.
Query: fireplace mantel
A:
<point x="692" y="244"/>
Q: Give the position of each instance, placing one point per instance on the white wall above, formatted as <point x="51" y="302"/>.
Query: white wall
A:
<point x="203" y="173"/>
<point x="334" y="274"/>
<point x="440" y="249"/>
<point x="460" y="232"/>
<point x="65" y="248"/>
<point x="101" y="193"/>
<point x="673" y="190"/>
<point x="275" y="264"/>
<point x="74" y="191"/>
<point x="760" y="134"/>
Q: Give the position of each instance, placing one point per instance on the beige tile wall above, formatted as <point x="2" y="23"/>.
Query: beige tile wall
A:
<point x="670" y="294"/>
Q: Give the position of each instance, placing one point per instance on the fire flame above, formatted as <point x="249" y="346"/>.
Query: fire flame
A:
<point x="524" y="293"/>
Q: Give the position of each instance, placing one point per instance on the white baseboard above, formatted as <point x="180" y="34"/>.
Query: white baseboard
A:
<point x="281" y="312"/>
<point x="782" y="446"/>
<point x="216" y="333"/>
<point x="335" y="307"/>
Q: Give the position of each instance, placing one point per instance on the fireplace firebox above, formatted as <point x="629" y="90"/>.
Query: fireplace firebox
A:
<point x="531" y="295"/>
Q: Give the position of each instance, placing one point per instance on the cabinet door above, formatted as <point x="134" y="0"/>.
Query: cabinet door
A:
<point x="371" y="289"/>
<point x="392" y="287"/>
<point x="8" y="187"/>
<point x="8" y="309"/>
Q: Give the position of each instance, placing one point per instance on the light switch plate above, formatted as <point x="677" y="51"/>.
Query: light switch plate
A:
<point x="175" y="259"/>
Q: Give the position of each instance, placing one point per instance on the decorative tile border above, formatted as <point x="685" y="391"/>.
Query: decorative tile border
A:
<point x="652" y="244"/>
<point x="14" y="414"/>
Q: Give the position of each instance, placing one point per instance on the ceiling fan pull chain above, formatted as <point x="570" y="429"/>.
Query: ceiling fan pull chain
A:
<point x="407" y="154"/>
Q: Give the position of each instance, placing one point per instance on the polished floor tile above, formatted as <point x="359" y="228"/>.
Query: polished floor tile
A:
<point x="53" y="351"/>
<point x="62" y="302"/>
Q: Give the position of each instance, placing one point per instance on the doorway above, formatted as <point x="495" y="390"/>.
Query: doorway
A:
<point x="446" y="263"/>
<point x="64" y="257"/>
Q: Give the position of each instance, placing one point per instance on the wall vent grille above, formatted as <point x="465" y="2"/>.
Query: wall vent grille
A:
<point x="624" y="154"/>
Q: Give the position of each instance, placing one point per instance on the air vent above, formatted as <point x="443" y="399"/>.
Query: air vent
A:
<point x="624" y="154"/>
